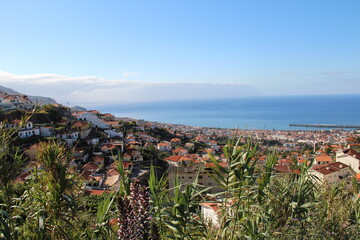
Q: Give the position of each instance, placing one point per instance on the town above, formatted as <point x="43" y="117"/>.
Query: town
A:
<point x="97" y="140"/>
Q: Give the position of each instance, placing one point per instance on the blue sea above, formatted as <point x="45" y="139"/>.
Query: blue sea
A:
<point x="247" y="113"/>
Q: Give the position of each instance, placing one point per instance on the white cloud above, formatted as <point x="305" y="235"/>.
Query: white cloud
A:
<point x="88" y="90"/>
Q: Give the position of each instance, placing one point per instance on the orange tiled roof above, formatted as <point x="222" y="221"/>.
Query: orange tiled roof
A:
<point x="323" y="158"/>
<point x="352" y="152"/>
<point x="351" y="139"/>
<point x="112" y="122"/>
<point x="80" y="124"/>
<point x="286" y="169"/>
<point x="175" y="140"/>
<point x="107" y="147"/>
<point x="86" y="174"/>
<point x="21" y="178"/>
<point x="163" y="144"/>
<point x="94" y="111"/>
<point x="177" y="158"/>
<point x="90" y="166"/>
<point x="330" y="167"/>
<point x="126" y="165"/>
<point x="112" y="172"/>
<point x="179" y="149"/>
<point x="215" y="206"/>
<point x="98" y="159"/>
<point x="212" y="165"/>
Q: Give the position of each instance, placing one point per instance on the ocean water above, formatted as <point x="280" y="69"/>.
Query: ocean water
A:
<point x="247" y="113"/>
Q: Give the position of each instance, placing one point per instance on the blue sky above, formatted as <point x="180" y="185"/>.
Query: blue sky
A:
<point x="144" y="48"/>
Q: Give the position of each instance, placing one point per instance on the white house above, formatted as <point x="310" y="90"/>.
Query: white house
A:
<point x="186" y="170"/>
<point x="28" y="132"/>
<point x="84" y="134"/>
<point x="213" y="145"/>
<point x="69" y="138"/>
<point x="210" y="212"/>
<point x="322" y="159"/>
<point x="46" y="131"/>
<point x="9" y="102"/>
<point x="112" y="133"/>
<point x="164" y="146"/>
<point x="330" y="172"/>
<point x="92" y="118"/>
<point x="178" y="160"/>
<point x="349" y="157"/>
<point x="133" y="156"/>
<point x="24" y="131"/>
<point x="94" y="141"/>
<point x="180" y="151"/>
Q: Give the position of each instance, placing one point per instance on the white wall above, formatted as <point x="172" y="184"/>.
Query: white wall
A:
<point x="111" y="133"/>
<point x="210" y="215"/>
<point x="45" y="132"/>
<point x="348" y="160"/>
<point x="93" y="119"/>
<point x="28" y="133"/>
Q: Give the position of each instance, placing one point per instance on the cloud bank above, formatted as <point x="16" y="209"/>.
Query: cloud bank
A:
<point x="91" y="90"/>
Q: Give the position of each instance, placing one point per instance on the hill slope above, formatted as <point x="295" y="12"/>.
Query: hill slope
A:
<point x="35" y="99"/>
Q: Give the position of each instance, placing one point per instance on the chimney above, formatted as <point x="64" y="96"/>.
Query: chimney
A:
<point x="327" y="168"/>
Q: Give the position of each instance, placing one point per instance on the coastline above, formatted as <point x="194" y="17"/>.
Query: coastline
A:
<point x="265" y="113"/>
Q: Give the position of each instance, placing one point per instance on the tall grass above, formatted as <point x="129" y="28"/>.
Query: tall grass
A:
<point x="255" y="202"/>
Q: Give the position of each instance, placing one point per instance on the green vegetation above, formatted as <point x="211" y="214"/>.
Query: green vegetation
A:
<point x="254" y="201"/>
<point x="46" y="114"/>
<point x="54" y="113"/>
<point x="160" y="133"/>
<point x="127" y="126"/>
<point x="197" y="146"/>
<point x="271" y="143"/>
<point x="150" y="153"/>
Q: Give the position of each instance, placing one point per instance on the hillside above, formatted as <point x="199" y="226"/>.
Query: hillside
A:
<point x="40" y="100"/>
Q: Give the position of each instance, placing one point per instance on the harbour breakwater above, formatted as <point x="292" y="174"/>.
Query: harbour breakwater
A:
<point x="324" y="126"/>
